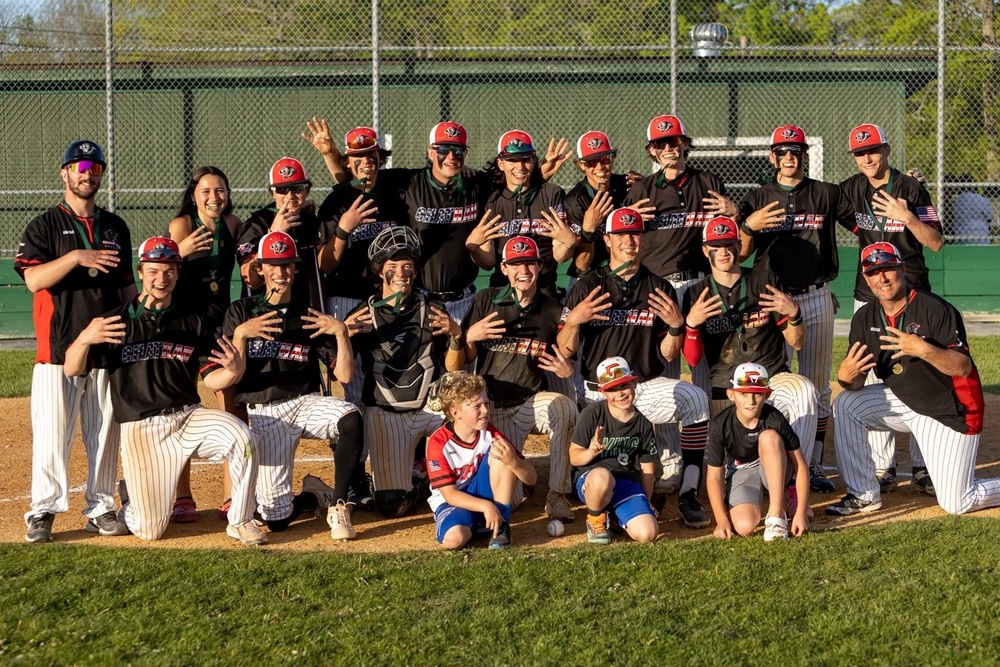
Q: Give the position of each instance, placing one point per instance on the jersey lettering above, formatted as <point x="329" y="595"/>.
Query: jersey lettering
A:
<point x="156" y="350"/>
<point x="679" y="220"/>
<point x="512" y="345"/>
<point x="797" y="221"/>
<point x="272" y="349"/>
<point x="447" y="216"/>
<point x="366" y="232"/>
<point x="728" y="323"/>
<point x="626" y="318"/>
<point x="869" y="224"/>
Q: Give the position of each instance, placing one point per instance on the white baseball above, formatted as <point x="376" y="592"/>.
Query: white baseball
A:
<point x="555" y="528"/>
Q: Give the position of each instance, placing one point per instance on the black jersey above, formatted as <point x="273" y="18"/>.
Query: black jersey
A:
<point x="802" y="251"/>
<point x="626" y="444"/>
<point x="201" y="270"/>
<point x="730" y="441"/>
<point x="305" y="289"/>
<point x="672" y="242"/>
<point x="400" y="356"/>
<point x="285" y="367"/>
<point x="954" y="401"/>
<point x="520" y="215"/>
<point x="869" y="228"/>
<point x="155" y="368"/>
<point x="510" y="364"/>
<point x="632" y="330"/>
<point x="353" y="277"/>
<point x="744" y="332"/>
<point x="62" y="311"/>
<point x="577" y="202"/>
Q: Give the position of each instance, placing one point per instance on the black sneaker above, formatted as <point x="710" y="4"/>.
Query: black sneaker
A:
<point x="922" y="481"/>
<point x="693" y="514"/>
<point x="360" y="493"/>
<point x="502" y="539"/>
<point x="39" y="528"/>
<point x="887" y="480"/>
<point x="851" y="504"/>
<point x="818" y="481"/>
<point x="107" y="525"/>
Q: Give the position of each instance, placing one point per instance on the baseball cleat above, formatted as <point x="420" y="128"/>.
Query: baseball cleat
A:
<point x="775" y="528"/>
<point x="323" y="491"/>
<point x="597" y="529"/>
<point x="887" y="480"/>
<point x="502" y="539"/>
<point x="107" y="525"/>
<point x="693" y="514"/>
<point x="557" y="507"/>
<point x="39" y="528"/>
<point x="851" y="504"/>
<point x="922" y="481"/>
<point x="338" y="517"/>
<point x="818" y="481"/>
<point x="248" y="533"/>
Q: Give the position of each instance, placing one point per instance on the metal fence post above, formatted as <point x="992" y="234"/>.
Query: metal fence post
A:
<point x="375" y="65"/>
<point x="673" y="57"/>
<point x="109" y="100"/>
<point x="940" y="108"/>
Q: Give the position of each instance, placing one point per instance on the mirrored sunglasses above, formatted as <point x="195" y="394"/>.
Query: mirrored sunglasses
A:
<point x="782" y="151"/>
<point x="83" y="166"/>
<point x="605" y="159"/>
<point x="457" y="151"/>
<point x="753" y="381"/>
<point x="673" y="142"/>
<point x="614" y="373"/>
<point x="160" y="255"/>
<point x="879" y="257"/>
<point x="361" y="142"/>
<point x="289" y="189"/>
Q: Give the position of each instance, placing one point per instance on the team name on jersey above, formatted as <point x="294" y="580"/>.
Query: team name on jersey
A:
<point x="512" y="345"/>
<point x="796" y="222"/>
<point x="729" y="322"/>
<point x="272" y="349"/>
<point x="526" y="226"/>
<point x="626" y="318"/>
<point x="447" y="216"/>
<point x="157" y="349"/>
<point x="868" y="223"/>
<point x="368" y="231"/>
<point x="679" y="220"/>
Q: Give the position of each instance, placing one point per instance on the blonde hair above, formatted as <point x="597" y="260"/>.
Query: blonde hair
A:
<point x="454" y="389"/>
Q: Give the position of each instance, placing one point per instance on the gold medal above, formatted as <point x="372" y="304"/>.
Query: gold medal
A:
<point x="214" y="286"/>
<point x="93" y="273"/>
<point x="897" y="369"/>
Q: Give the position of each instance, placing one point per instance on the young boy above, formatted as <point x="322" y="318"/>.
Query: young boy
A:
<point x="473" y="468"/>
<point x="612" y="443"/>
<point x="747" y="447"/>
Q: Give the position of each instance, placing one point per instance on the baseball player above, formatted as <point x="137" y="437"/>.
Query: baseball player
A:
<point x="152" y="351"/>
<point x="75" y="258"/>
<point x="750" y="444"/>
<point x="888" y="205"/>
<point x="739" y="315"/>
<point x="508" y="332"/>
<point x="283" y="342"/>
<point x="614" y="458"/>
<point x="914" y="341"/>
<point x="401" y="338"/>
<point x="622" y="309"/>
<point x="474" y="470"/>
<point x="790" y="223"/>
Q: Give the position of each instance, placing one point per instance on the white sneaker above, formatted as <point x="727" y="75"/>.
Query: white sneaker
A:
<point x="248" y="533"/>
<point x="339" y="519"/>
<point x="320" y="489"/>
<point x="775" y="528"/>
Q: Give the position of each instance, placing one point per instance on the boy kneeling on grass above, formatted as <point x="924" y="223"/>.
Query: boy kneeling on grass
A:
<point x="749" y="445"/>
<point x="613" y="454"/>
<point x="473" y="469"/>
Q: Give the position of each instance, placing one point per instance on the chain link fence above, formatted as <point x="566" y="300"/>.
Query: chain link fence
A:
<point x="175" y="84"/>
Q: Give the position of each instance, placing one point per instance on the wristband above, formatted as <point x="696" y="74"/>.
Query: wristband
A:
<point x="455" y="344"/>
<point x="341" y="234"/>
<point x="586" y="237"/>
<point x="795" y="321"/>
<point x="845" y="385"/>
<point x="675" y="331"/>
<point x="746" y="229"/>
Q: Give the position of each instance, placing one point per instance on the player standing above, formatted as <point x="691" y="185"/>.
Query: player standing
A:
<point x="791" y="224"/>
<point x="152" y="351"/>
<point x="913" y="341"/>
<point x="508" y="333"/>
<point x="76" y="260"/>
<point x="622" y="309"/>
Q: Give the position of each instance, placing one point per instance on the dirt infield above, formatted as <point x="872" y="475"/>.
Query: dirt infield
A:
<point x="376" y="535"/>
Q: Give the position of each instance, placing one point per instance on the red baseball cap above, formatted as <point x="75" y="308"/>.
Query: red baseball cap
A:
<point x="614" y="372"/>
<point x="751" y="378"/>
<point x="879" y="256"/>
<point x="867" y="136"/>
<point x="594" y="144"/>
<point x="720" y="230"/>
<point x="448" y="132"/>
<point x="520" y="249"/>
<point x="788" y="135"/>
<point x="515" y="142"/>
<point x="159" y="249"/>
<point x="277" y="248"/>
<point x="665" y="126"/>
<point x="624" y="221"/>
<point x="361" y="140"/>
<point x="288" y="171"/>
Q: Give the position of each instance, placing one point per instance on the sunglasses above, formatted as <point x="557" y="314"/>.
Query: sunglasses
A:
<point x="83" y="166"/>
<point x="160" y="255"/>
<point x="528" y="157"/>
<point x="598" y="161"/>
<point x="660" y="144"/>
<point x="360" y="142"/>
<point x="290" y="189"/>
<point x="782" y="152"/>
<point x="752" y="381"/>
<point x="879" y="258"/>
<point x="613" y="373"/>
<point x="457" y="151"/>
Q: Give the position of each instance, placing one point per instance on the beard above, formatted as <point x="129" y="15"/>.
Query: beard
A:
<point x="84" y="189"/>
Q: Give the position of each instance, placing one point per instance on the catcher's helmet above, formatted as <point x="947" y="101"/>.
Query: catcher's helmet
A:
<point x="83" y="150"/>
<point x="394" y="243"/>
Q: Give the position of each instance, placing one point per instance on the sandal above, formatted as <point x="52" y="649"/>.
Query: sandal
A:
<point x="223" y="511"/>
<point x="185" y="510"/>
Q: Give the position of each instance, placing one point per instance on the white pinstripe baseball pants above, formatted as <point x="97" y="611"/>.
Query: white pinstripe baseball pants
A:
<point x="950" y="456"/>
<point x="795" y="397"/>
<point x="545" y="413"/>
<point x="391" y="440"/>
<point x="56" y="400"/>
<point x="339" y="307"/>
<point x="155" y="449"/>
<point x="816" y="356"/>
<point x="279" y="426"/>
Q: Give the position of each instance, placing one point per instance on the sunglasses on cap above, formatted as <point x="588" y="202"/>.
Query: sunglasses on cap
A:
<point x="879" y="258"/>
<point x="290" y="189"/>
<point x="752" y="380"/>
<point x="457" y="151"/>
<point x="782" y="151"/>
<point x="160" y="255"/>
<point x="660" y="144"/>
<point x="361" y="142"/>
<point x="83" y="166"/>
<point x="604" y="159"/>
<point x="613" y="373"/>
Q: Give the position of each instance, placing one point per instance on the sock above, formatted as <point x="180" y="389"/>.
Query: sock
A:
<point x="504" y="511"/>
<point x="693" y="439"/>
<point x="346" y="452"/>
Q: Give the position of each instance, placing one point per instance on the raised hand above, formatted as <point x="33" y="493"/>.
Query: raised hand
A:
<point x="200" y="240"/>
<point x="719" y="204"/>
<point x="262" y="326"/>
<point x="442" y="324"/>
<point x="226" y="355"/>
<point x="491" y="327"/>
<point x="361" y="211"/>
<point x="102" y="260"/>
<point x="590" y="308"/>
<point x="489" y="229"/>
<point x="600" y="206"/>
<point x="286" y="219"/>
<point x="703" y="309"/>
<point x="776" y="301"/>
<point x="110" y="330"/>
<point x="319" y="136"/>
<point x="665" y="308"/>
<point x="768" y="217"/>
<point x="556" y="363"/>
<point x="321" y="323"/>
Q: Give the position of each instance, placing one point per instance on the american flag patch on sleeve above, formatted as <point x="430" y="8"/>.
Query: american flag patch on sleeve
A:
<point x="433" y="465"/>
<point x="927" y="214"/>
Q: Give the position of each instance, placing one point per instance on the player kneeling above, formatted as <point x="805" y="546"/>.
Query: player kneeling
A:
<point x="612" y="443"/>
<point x="153" y="352"/>
<point x="749" y="446"/>
<point x="473" y="468"/>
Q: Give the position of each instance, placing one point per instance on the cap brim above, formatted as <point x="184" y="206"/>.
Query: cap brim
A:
<point x="523" y="260"/>
<point x="504" y="156"/>
<point x="867" y="148"/>
<point x="599" y="154"/>
<point x="294" y="260"/>
<point x="884" y="265"/>
<point x="790" y="144"/>
<point x="718" y="243"/>
<point x="451" y="143"/>
<point x="617" y="382"/>
<point x="300" y="182"/>
<point x="752" y="390"/>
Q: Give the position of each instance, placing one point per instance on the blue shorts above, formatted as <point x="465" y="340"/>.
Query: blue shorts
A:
<point x="448" y="516"/>
<point x="628" y="499"/>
